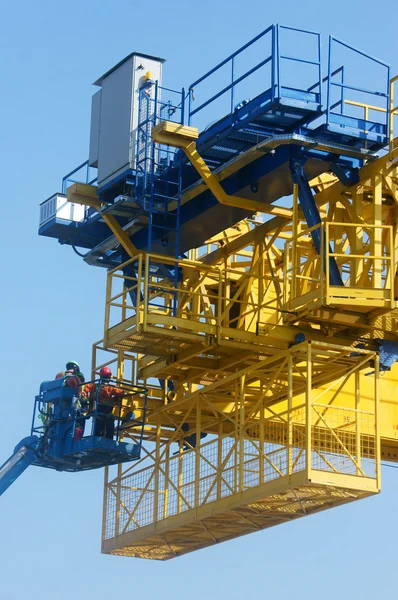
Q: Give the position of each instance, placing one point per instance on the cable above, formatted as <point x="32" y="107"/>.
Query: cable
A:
<point x="77" y="252"/>
<point x="391" y="466"/>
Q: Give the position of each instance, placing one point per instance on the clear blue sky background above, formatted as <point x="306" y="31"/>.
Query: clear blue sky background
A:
<point x="52" y="307"/>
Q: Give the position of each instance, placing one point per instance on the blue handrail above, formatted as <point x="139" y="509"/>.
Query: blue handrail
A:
<point x="226" y="60"/>
<point x="275" y="57"/>
<point x="228" y="87"/>
<point x="233" y="81"/>
<point x="345" y="85"/>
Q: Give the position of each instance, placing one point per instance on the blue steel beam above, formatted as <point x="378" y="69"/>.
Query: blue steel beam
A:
<point x="201" y="216"/>
<point x="312" y="216"/>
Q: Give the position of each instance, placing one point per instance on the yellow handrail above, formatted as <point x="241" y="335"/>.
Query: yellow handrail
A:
<point x="393" y="113"/>
<point x="393" y="110"/>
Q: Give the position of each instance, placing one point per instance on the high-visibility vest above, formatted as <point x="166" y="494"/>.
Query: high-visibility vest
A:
<point x="108" y="394"/>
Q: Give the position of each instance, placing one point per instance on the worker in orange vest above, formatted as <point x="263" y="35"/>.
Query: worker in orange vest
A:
<point x="106" y="397"/>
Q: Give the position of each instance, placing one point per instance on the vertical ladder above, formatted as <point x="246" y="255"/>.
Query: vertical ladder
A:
<point x="158" y="179"/>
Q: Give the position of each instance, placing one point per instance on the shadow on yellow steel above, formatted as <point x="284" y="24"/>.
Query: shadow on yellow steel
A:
<point x="279" y="457"/>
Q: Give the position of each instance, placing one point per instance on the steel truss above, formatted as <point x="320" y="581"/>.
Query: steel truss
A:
<point x="275" y="453"/>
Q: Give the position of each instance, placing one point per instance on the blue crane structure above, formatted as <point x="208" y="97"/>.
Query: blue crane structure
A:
<point x="299" y="131"/>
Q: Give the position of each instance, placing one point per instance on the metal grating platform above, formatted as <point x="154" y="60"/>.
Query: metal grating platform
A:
<point x="163" y="543"/>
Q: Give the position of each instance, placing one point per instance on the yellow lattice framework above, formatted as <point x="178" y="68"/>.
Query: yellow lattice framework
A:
<point x="284" y="454"/>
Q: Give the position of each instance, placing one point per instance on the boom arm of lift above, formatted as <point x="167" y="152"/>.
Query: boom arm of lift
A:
<point x="24" y="455"/>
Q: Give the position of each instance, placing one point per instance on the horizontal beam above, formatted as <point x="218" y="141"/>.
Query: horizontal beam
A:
<point x="173" y="134"/>
<point x="81" y="193"/>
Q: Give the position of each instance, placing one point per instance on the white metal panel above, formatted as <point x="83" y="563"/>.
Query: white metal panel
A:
<point x="114" y="139"/>
<point x="118" y="109"/>
<point x="48" y="209"/>
<point x="69" y="210"/>
<point x="94" y="129"/>
<point x="58" y="207"/>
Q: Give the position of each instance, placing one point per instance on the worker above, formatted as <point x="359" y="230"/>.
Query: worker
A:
<point x="106" y="396"/>
<point x="72" y="368"/>
<point x="75" y="378"/>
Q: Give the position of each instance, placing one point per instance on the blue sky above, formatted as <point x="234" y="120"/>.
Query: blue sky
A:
<point x="52" y="307"/>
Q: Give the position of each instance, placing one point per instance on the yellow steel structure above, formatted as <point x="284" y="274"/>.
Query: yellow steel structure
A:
<point x="277" y="408"/>
<point x="271" y="457"/>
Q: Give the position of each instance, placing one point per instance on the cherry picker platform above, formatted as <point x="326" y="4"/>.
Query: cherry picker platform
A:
<point x="57" y="440"/>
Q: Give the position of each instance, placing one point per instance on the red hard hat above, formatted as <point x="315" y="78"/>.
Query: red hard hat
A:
<point x="105" y="373"/>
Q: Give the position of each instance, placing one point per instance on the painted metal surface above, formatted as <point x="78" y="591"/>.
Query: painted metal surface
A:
<point x="269" y="461"/>
<point x="95" y="125"/>
<point x="115" y="117"/>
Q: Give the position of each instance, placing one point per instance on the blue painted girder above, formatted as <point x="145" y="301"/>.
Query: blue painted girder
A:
<point x="203" y="216"/>
<point x="84" y="235"/>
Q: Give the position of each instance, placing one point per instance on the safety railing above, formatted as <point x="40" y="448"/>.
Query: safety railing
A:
<point x="393" y="114"/>
<point x="158" y="178"/>
<point x="208" y="298"/>
<point x="344" y="440"/>
<point x="227" y="466"/>
<point x="230" y="87"/>
<point x="80" y="414"/>
<point x="125" y="365"/>
<point x="368" y="109"/>
<point x="304" y="280"/>
<point x="269" y="46"/>
<point x="364" y="255"/>
<point x="376" y="127"/>
<point x="122" y="363"/>
<point x="224" y="298"/>
<point x="81" y="174"/>
<point x="152" y="110"/>
<point x="306" y="434"/>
